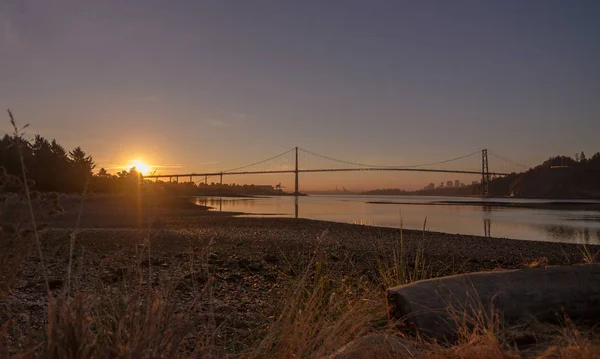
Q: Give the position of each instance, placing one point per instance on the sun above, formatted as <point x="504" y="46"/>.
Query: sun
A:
<point x="140" y="166"/>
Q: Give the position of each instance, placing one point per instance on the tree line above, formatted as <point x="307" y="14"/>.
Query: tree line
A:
<point x="50" y="167"/>
<point x="559" y="176"/>
<point x="48" y="164"/>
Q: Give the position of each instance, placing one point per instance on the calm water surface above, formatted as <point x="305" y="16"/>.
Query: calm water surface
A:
<point x="576" y="226"/>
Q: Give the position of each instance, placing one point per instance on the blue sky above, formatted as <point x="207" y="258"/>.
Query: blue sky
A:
<point x="207" y="85"/>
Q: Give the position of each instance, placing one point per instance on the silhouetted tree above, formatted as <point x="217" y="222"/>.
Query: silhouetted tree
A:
<point x="41" y="168"/>
<point x="9" y="154"/>
<point x="102" y="173"/>
<point x="82" y="166"/>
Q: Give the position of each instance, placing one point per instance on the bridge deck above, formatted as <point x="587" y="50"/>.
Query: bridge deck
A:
<point x="401" y="169"/>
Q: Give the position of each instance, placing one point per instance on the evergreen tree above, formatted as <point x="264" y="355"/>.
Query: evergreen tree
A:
<point x="9" y="154"/>
<point x="102" y="173"/>
<point x="61" y="165"/>
<point x="81" y="166"/>
<point x="42" y="169"/>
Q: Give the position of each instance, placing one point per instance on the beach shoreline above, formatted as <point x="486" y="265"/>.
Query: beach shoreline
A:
<point x="251" y="264"/>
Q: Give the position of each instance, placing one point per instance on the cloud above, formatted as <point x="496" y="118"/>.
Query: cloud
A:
<point x="216" y="123"/>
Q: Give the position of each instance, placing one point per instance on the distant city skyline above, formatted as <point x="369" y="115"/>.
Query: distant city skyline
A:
<point x="205" y="86"/>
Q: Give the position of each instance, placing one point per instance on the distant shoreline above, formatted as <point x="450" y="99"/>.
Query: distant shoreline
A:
<point x="573" y="205"/>
<point x="262" y="195"/>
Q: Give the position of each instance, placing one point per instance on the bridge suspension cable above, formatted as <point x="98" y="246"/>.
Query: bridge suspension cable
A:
<point x="508" y="160"/>
<point x="354" y="166"/>
<point x="259" y="162"/>
<point x="381" y="166"/>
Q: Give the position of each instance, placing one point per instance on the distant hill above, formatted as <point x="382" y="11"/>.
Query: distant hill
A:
<point x="558" y="177"/>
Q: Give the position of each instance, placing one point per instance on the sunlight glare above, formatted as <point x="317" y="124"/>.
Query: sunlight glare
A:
<point x="141" y="167"/>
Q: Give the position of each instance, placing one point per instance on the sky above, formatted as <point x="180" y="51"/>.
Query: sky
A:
<point x="211" y="85"/>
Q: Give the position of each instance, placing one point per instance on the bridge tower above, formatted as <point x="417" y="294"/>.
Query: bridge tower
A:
<point x="296" y="174"/>
<point x="485" y="174"/>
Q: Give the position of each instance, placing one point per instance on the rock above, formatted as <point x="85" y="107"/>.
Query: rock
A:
<point x="182" y="255"/>
<point x="270" y="258"/>
<point x="218" y="262"/>
<point x="255" y="266"/>
<point x="150" y="261"/>
<point x="55" y="283"/>
<point x="377" y="346"/>
<point x="35" y="306"/>
<point x="234" y="278"/>
<point x="270" y="277"/>
<point x="21" y="284"/>
<point x="431" y="306"/>
<point x="199" y="277"/>
<point x="243" y="263"/>
<point x="113" y="276"/>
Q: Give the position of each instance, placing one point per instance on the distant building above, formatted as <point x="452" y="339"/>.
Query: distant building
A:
<point x="457" y="183"/>
<point x="475" y="183"/>
<point x="430" y="187"/>
<point x="441" y="185"/>
<point x="449" y="184"/>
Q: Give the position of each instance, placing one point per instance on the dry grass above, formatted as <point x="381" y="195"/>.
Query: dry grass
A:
<point x="321" y="316"/>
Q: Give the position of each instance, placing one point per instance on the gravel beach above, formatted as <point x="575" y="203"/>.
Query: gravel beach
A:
<point x="250" y="263"/>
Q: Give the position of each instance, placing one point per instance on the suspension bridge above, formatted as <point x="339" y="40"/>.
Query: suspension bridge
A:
<point x="336" y="165"/>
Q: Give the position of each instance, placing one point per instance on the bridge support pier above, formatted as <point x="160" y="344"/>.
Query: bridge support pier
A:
<point x="296" y="207"/>
<point x="296" y="192"/>
<point x="485" y="174"/>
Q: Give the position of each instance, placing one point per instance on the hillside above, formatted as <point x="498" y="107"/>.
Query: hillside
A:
<point x="560" y="177"/>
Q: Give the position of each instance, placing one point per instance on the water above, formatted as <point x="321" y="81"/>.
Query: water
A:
<point x="555" y="225"/>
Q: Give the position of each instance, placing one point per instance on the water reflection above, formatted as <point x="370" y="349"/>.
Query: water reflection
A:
<point x="487" y="222"/>
<point x="487" y="227"/>
<point x="296" y="206"/>
<point x="559" y="232"/>
<point x="410" y="212"/>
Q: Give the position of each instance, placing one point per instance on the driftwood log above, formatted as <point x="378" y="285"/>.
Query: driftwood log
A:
<point x="437" y="307"/>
